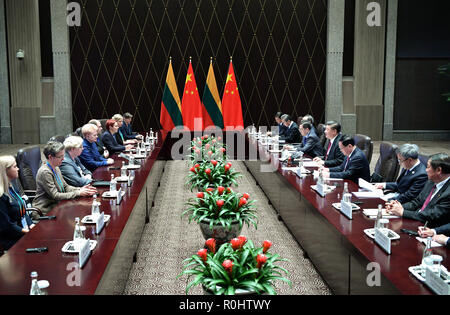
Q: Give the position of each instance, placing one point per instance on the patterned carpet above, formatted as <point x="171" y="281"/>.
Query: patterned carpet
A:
<point x="168" y="239"/>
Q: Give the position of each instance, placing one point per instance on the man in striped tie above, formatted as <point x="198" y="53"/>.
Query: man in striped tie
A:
<point x="433" y="203"/>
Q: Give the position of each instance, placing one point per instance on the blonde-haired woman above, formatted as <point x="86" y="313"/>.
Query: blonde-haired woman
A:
<point x="14" y="220"/>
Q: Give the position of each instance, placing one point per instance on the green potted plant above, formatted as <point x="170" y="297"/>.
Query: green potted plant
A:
<point x="221" y="212"/>
<point x="206" y="148"/>
<point x="237" y="267"/>
<point x="212" y="173"/>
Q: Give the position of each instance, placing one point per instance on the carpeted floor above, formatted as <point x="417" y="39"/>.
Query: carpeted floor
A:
<point x="168" y="239"/>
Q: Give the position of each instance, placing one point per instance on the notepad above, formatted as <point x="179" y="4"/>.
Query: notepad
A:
<point x="372" y="213"/>
<point x="424" y="240"/>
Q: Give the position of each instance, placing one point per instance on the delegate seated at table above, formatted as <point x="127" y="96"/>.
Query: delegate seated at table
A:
<point x="413" y="177"/>
<point x="90" y="157"/>
<point x="109" y="139"/>
<point x="440" y="234"/>
<point x="354" y="166"/>
<point x="432" y="205"/>
<point x="333" y="155"/>
<point x="14" y="220"/>
<point x="73" y="171"/>
<point x="51" y="186"/>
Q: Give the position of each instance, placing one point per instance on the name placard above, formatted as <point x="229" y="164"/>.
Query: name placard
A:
<point x="383" y="241"/>
<point x="119" y="196"/>
<point x="346" y="209"/>
<point x="436" y="283"/>
<point x="320" y="189"/>
<point x="100" y="223"/>
<point x="85" y="253"/>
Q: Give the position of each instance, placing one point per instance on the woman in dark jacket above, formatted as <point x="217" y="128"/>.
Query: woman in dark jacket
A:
<point x="108" y="138"/>
<point x="14" y="220"/>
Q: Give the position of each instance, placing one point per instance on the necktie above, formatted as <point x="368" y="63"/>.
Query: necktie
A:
<point x="346" y="163"/>
<point x="328" y="150"/>
<point x="427" y="201"/>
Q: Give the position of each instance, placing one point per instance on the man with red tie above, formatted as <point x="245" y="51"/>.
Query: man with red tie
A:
<point x="433" y="203"/>
<point x="333" y="155"/>
<point x="354" y="166"/>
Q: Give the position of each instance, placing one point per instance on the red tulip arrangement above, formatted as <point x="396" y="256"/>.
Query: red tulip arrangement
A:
<point x="235" y="265"/>
<point x="212" y="173"/>
<point x="222" y="206"/>
<point x="206" y="148"/>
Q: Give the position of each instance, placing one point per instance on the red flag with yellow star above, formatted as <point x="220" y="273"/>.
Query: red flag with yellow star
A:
<point x="231" y="103"/>
<point x="191" y="106"/>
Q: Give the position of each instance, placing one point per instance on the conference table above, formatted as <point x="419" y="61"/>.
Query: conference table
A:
<point x="344" y="255"/>
<point x="107" y="269"/>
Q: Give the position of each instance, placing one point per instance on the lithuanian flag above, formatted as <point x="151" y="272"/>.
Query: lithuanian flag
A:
<point x="212" y="107"/>
<point x="170" y="106"/>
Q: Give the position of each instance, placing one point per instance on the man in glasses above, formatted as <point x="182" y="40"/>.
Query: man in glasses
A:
<point x="413" y="177"/>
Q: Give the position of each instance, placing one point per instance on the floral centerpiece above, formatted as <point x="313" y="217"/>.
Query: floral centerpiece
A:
<point x="212" y="173"/>
<point x="221" y="212"/>
<point x="206" y="148"/>
<point x="234" y="267"/>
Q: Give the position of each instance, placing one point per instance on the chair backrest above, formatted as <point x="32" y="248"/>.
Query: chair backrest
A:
<point x="321" y="133"/>
<point x="387" y="165"/>
<point x="58" y="138"/>
<point x="28" y="161"/>
<point x="424" y="159"/>
<point x="365" y="144"/>
<point x="103" y="123"/>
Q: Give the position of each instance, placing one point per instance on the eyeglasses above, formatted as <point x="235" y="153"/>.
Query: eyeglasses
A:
<point x="59" y="157"/>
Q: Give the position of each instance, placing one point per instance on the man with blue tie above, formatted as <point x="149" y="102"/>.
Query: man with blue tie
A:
<point x="310" y="143"/>
<point x="354" y="166"/>
<point x="292" y="134"/>
<point x="413" y="177"/>
<point x="432" y="205"/>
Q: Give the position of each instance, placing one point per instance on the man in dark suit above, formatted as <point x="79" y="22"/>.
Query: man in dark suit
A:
<point x="432" y="205"/>
<point x="281" y="127"/>
<point x="292" y="134"/>
<point x="413" y="177"/>
<point x="126" y="130"/>
<point x="440" y="234"/>
<point x="332" y="154"/>
<point x="310" y="143"/>
<point x="355" y="165"/>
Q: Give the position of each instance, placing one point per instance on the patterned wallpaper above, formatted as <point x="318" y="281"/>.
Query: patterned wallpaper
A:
<point x="120" y="55"/>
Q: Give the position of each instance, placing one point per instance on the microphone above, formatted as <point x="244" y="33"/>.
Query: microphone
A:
<point x="51" y="217"/>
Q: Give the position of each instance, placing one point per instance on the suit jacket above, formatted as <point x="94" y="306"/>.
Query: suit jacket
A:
<point x="310" y="146"/>
<point x="111" y="144"/>
<point x="90" y="157"/>
<point x="71" y="169"/>
<point x="100" y="145"/>
<point x="357" y="167"/>
<point x="292" y="134"/>
<point x="48" y="192"/>
<point x="409" y="185"/>
<point x="127" y="132"/>
<point x="437" y="212"/>
<point x="10" y="222"/>
<point x="444" y="229"/>
<point x="119" y="137"/>
<point x="281" y="129"/>
<point x="335" y="156"/>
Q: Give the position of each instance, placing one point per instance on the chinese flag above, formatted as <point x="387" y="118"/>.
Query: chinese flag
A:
<point x="231" y="103"/>
<point x="191" y="106"/>
<point x="170" y="106"/>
